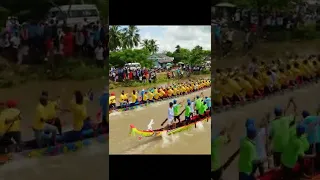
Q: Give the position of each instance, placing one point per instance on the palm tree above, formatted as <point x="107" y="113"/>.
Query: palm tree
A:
<point x="178" y="48"/>
<point x="115" y="38"/>
<point x="154" y="47"/>
<point x="151" y="45"/>
<point x="131" y="37"/>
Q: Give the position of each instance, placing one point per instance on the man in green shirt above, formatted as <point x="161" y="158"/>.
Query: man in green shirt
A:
<point x="198" y="104"/>
<point x="279" y="134"/>
<point x="294" y="152"/>
<point x="176" y="110"/>
<point x="247" y="157"/>
<point x="202" y="110"/>
<point x="216" y="144"/>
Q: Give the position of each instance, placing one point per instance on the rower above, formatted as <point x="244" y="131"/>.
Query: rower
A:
<point x="208" y="102"/>
<point x="81" y="120"/>
<point x="198" y="103"/>
<point x="9" y="126"/>
<point x="188" y="112"/>
<point x="134" y="98"/>
<point x="176" y="108"/>
<point x="51" y="108"/>
<point x="170" y="116"/>
<point x="112" y="101"/>
<point x="103" y="105"/>
<point x="123" y="99"/>
<point x="202" y="110"/>
<point x="40" y="127"/>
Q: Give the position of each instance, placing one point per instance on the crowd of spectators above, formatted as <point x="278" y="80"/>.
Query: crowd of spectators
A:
<point x="34" y="42"/>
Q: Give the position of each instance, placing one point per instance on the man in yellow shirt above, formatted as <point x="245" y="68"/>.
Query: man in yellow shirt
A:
<point x="51" y="108"/>
<point x="150" y="96"/>
<point x="40" y="127"/>
<point x="10" y="125"/>
<point x="134" y="98"/>
<point x="81" y="120"/>
<point x="123" y="99"/>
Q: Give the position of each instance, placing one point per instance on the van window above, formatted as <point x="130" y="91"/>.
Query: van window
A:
<point x="83" y="13"/>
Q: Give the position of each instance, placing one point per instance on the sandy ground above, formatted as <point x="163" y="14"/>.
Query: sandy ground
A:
<point x="121" y="143"/>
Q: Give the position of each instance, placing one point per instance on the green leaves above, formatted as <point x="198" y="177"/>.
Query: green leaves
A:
<point x="119" y="58"/>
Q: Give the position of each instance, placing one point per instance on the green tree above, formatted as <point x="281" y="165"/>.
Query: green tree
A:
<point x="115" y="38"/>
<point x="151" y="45"/>
<point x="131" y="37"/>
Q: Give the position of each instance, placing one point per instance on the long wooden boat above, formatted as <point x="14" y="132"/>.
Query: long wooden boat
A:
<point x="141" y="104"/>
<point x="30" y="148"/>
<point x="180" y="127"/>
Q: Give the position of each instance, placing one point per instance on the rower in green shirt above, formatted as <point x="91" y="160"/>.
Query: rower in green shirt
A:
<point x="202" y="110"/>
<point x="294" y="153"/>
<point x="247" y="157"/>
<point x="176" y="110"/>
<point x="216" y="144"/>
<point x="198" y="104"/>
<point x="280" y="132"/>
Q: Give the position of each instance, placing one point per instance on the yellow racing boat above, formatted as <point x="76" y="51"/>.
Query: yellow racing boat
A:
<point x="180" y="127"/>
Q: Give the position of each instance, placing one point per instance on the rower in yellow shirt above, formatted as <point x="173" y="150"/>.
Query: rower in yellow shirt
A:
<point x="40" y="127"/>
<point x="156" y="95"/>
<point x="52" y="108"/>
<point x="170" y="92"/>
<point x="150" y="96"/>
<point x="10" y="124"/>
<point x="145" y="97"/>
<point x="162" y="93"/>
<point x="80" y="121"/>
<point x="134" y="97"/>
<point x="123" y="99"/>
<point x="112" y="101"/>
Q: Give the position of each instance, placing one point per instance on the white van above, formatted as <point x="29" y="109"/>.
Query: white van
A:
<point x="77" y="13"/>
<point x="133" y="66"/>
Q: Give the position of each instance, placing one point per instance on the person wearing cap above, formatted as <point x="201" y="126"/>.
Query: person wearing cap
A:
<point x="312" y="132"/>
<point x="198" y="103"/>
<point x="176" y="110"/>
<point x="202" y="110"/>
<point x="112" y="101"/>
<point x="208" y="102"/>
<point x="39" y="126"/>
<point x="170" y="119"/>
<point x="10" y="119"/>
<point x="260" y="142"/>
<point x="279" y="133"/>
<point x="103" y="105"/>
<point x="217" y="142"/>
<point x="293" y="153"/>
<point x="187" y="112"/>
<point x="247" y="155"/>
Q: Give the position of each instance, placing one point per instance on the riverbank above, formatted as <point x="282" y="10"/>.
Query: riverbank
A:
<point x="161" y="80"/>
<point x="70" y="69"/>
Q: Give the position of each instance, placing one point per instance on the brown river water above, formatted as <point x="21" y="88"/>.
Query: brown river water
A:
<point x="88" y="163"/>
<point x="195" y="141"/>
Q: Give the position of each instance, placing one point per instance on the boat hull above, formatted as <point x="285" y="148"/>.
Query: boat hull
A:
<point x="158" y="132"/>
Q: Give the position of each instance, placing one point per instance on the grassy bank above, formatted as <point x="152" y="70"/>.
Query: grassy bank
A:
<point x="161" y="79"/>
<point x="78" y="70"/>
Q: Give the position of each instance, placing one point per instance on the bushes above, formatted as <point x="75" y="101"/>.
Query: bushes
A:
<point x="305" y="32"/>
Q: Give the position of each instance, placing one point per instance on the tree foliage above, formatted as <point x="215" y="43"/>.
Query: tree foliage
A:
<point x="258" y="4"/>
<point x="124" y="41"/>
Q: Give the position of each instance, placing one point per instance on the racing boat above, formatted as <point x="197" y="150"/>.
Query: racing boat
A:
<point x="141" y="104"/>
<point x="179" y="127"/>
<point x="30" y="149"/>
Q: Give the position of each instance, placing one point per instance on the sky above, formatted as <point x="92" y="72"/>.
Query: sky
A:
<point x="168" y="37"/>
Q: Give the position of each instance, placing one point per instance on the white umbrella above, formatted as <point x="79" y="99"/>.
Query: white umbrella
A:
<point x="225" y="4"/>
